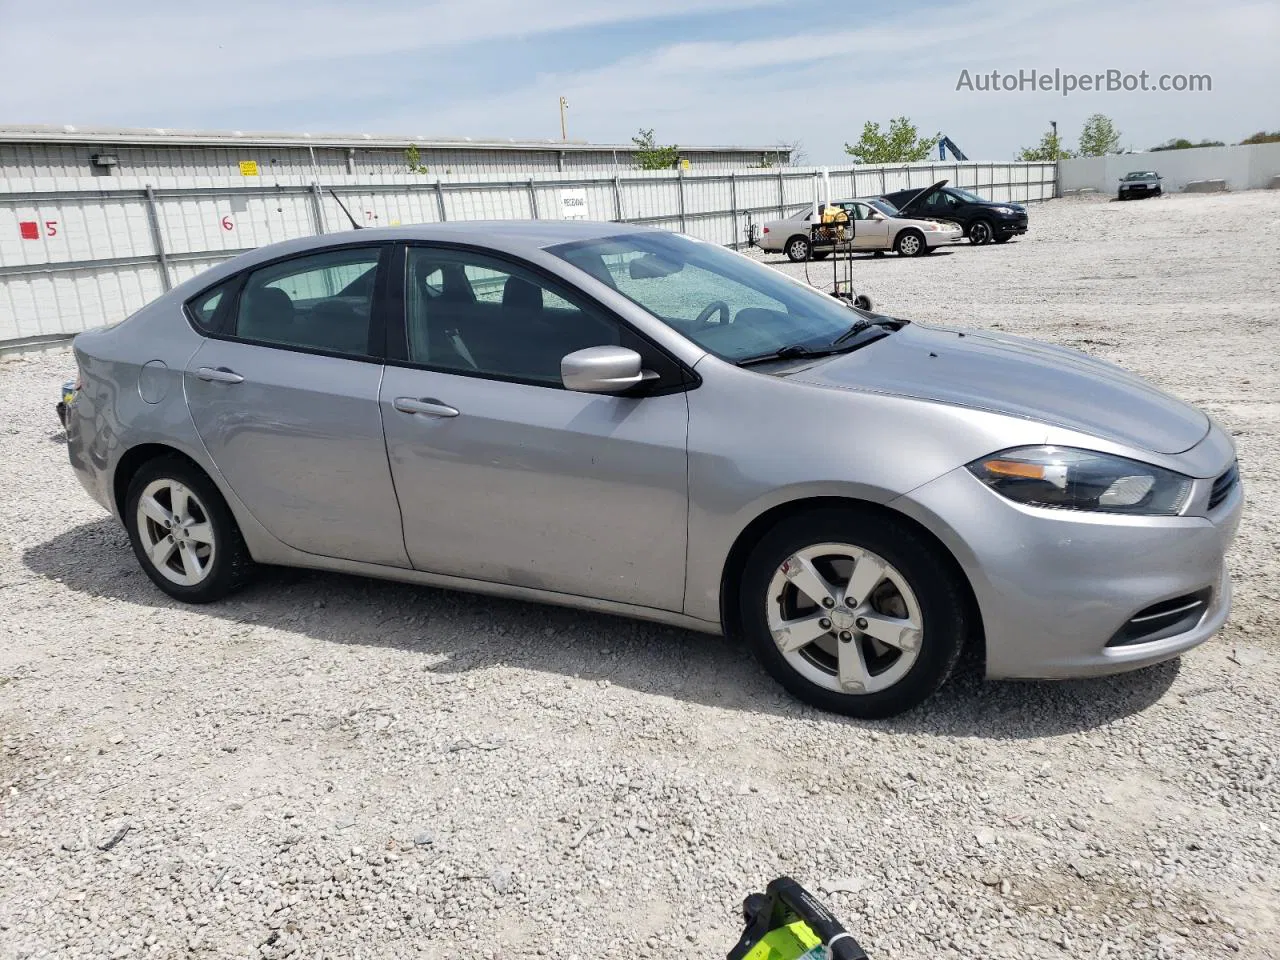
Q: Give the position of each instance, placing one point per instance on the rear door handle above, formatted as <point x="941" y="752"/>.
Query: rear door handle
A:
<point x="219" y="375"/>
<point x="427" y="405"/>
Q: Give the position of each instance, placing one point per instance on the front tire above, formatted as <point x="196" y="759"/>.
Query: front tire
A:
<point x="980" y="232"/>
<point x="910" y="243"/>
<point x="183" y="533"/>
<point x="887" y="624"/>
<point x="797" y="249"/>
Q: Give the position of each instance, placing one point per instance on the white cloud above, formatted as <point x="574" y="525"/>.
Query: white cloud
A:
<point x="817" y="82"/>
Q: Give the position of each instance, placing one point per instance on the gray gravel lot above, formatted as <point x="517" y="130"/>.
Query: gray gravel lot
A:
<point x="330" y="766"/>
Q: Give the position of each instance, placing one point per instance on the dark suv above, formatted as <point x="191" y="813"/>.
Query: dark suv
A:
<point x="983" y="221"/>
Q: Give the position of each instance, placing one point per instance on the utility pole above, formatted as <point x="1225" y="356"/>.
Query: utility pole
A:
<point x="564" y="105"/>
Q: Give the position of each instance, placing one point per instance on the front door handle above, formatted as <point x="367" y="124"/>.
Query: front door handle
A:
<point x="219" y="375"/>
<point x="428" y="405"/>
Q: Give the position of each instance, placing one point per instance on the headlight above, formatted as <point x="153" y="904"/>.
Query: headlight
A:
<point x="1006" y="210"/>
<point x="1068" y="479"/>
<point x="932" y="226"/>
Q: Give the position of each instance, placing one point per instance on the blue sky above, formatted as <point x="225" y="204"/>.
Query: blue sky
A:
<point x="698" y="71"/>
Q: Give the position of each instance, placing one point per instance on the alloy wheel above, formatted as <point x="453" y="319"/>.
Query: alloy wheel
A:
<point x="980" y="233"/>
<point x="177" y="535"/>
<point x="844" y="618"/>
<point x="909" y="245"/>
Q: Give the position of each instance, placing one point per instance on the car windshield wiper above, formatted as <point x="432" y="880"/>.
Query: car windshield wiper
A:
<point x="793" y="351"/>
<point x="852" y="332"/>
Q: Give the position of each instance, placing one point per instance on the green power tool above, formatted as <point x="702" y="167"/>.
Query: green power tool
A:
<point x="786" y="922"/>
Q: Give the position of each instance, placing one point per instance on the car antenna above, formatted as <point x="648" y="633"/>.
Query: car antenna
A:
<point x="354" y="225"/>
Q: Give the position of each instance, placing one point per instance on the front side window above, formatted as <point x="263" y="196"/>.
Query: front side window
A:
<point x="319" y="302"/>
<point x="724" y="302"/>
<point x="471" y="313"/>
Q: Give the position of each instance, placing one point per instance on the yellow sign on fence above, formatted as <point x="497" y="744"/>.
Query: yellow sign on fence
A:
<point x="248" y="168"/>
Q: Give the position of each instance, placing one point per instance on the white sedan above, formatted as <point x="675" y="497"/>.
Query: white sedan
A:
<point x="877" y="226"/>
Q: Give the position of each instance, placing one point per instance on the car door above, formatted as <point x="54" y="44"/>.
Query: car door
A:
<point x="870" y="233"/>
<point x="502" y="474"/>
<point x="284" y="395"/>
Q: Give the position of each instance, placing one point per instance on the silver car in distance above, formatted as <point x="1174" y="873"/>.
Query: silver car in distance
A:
<point x="632" y="421"/>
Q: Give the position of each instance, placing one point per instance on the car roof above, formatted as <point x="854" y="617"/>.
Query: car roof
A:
<point x="519" y="238"/>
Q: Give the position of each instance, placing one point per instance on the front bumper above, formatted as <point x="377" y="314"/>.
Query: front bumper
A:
<point x="942" y="238"/>
<point x="1054" y="587"/>
<point x="1012" y="227"/>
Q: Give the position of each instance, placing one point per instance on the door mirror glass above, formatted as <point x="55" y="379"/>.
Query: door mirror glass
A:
<point x="601" y="370"/>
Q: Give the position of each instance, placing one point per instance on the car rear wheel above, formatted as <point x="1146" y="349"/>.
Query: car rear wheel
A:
<point x="853" y="612"/>
<point x="183" y="534"/>
<point x="797" y="249"/>
<point x="980" y="232"/>
<point x="910" y="243"/>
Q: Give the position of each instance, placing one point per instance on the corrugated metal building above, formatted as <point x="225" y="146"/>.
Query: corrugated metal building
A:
<point x="46" y="151"/>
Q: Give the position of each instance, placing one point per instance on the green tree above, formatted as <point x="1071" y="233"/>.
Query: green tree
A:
<point x="651" y="155"/>
<point x="1261" y="137"/>
<point x="1099" y="137"/>
<point x="901" y="144"/>
<point x="1182" y="143"/>
<point x="1050" y="148"/>
<point x="413" y="160"/>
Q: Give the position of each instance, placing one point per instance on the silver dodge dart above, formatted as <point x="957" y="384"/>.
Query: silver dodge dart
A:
<point x="632" y="421"/>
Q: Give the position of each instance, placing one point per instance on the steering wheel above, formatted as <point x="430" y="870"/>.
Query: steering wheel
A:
<point x="704" y="318"/>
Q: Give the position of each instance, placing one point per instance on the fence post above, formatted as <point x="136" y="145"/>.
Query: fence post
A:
<point x="680" y="187"/>
<point x="533" y="200"/>
<point x="440" y="200"/>
<point x="317" y="207"/>
<point x="733" y="205"/>
<point x="617" y="196"/>
<point x="153" y="215"/>
<point x="782" y="196"/>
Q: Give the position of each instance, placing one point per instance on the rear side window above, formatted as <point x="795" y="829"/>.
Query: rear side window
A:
<point x="320" y="302"/>
<point x="203" y="309"/>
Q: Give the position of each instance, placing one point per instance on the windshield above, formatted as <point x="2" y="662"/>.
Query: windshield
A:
<point x="966" y="195"/>
<point x="724" y="302"/>
<point x="884" y="206"/>
<point x="1141" y="175"/>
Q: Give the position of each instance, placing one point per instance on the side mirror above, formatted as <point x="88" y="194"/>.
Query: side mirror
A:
<point x="602" y="370"/>
<point x="877" y="216"/>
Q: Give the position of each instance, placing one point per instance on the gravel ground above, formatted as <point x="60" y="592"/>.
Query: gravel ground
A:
<point x="330" y="766"/>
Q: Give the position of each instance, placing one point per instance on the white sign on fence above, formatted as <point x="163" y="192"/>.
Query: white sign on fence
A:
<point x="573" y="203"/>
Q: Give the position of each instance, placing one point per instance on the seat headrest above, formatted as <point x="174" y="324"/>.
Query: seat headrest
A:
<point x="521" y="294"/>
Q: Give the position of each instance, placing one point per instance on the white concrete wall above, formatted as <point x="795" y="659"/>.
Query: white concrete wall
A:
<point x="1244" y="168"/>
<point x="76" y="253"/>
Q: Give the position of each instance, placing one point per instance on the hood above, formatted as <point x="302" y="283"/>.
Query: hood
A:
<point x="922" y="194"/>
<point x="1017" y="377"/>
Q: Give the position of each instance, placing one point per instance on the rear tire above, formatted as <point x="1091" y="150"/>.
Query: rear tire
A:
<point x="893" y="679"/>
<point x="183" y="533"/>
<point x="797" y="249"/>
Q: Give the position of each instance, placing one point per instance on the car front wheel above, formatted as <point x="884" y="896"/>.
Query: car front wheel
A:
<point x="853" y="611"/>
<point x="183" y="534"/>
<point x="980" y="232"/>
<point x="797" y="249"/>
<point x="910" y="243"/>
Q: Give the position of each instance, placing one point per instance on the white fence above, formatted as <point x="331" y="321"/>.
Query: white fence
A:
<point x="75" y="256"/>
<point x="1243" y="168"/>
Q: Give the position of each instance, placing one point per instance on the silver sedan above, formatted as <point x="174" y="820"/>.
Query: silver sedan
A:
<point x="633" y="421"/>
<point x="875" y="226"/>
